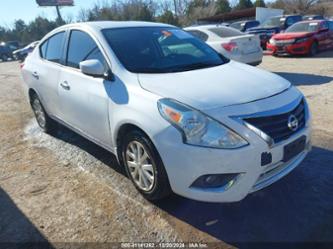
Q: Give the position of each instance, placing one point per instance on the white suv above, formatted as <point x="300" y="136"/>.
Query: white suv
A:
<point x="179" y="116"/>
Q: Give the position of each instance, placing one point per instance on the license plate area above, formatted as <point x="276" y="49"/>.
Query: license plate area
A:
<point x="294" y="148"/>
<point x="281" y="49"/>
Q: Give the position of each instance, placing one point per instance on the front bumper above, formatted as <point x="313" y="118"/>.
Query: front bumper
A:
<point x="294" y="49"/>
<point x="185" y="163"/>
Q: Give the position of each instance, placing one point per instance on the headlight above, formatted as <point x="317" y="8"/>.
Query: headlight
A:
<point x="300" y="40"/>
<point x="272" y="41"/>
<point x="197" y="128"/>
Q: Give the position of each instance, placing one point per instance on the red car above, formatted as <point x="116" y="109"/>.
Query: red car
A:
<point x="303" y="38"/>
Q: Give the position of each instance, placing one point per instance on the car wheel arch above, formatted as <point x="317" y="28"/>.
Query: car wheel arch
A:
<point x="33" y="92"/>
<point x="122" y="130"/>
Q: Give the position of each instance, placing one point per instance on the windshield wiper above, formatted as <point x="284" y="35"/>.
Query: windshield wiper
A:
<point x="177" y="68"/>
<point x="198" y="65"/>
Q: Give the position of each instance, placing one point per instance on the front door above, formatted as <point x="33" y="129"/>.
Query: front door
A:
<point x="83" y="99"/>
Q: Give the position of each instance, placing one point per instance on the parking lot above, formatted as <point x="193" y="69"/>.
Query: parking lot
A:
<point x="64" y="188"/>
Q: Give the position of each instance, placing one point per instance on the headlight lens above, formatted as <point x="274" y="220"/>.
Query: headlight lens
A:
<point x="197" y="128"/>
<point x="272" y="41"/>
<point x="300" y="40"/>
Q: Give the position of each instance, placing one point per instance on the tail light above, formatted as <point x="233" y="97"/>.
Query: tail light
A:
<point x="230" y="46"/>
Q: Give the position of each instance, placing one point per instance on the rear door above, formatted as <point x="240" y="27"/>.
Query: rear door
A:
<point x="44" y="71"/>
<point x="84" y="99"/>
<point x="324" y="36"/>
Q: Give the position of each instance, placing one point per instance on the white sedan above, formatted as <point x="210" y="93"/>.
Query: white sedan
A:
<point x="230" y="42"/>
<point x="178" y="116"/>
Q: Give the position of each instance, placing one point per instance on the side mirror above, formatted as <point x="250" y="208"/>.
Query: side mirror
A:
<point x="92" y="68"/>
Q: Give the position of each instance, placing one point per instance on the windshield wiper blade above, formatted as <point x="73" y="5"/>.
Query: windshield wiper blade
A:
<point x="198" y="65"/>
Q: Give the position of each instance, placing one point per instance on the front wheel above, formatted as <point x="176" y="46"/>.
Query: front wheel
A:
<point x="47" y="124"/>
<point x="144" y="166"/>
<point x="313" y="49"/>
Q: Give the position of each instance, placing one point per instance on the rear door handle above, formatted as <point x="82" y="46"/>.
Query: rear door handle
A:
<point x="65" y="85"/>
<point x="35" y="75"/>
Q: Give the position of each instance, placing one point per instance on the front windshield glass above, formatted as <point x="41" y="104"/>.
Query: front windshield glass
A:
<point x="303" y="27"/>
<point x="160" y="50"/>
<point x="272" y="22"/>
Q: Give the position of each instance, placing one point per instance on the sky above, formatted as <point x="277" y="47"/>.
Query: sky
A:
<point x="27" y="10"/>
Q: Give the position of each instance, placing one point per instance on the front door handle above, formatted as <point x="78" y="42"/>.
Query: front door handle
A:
<point x="65" y="85"/>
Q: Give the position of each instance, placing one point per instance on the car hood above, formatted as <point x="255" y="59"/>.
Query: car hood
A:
<point x="229" y="84"/>
<point x="284" y="36"/>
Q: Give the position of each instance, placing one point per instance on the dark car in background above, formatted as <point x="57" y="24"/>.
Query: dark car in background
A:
<point x="313" y="17"/>
<point x="7" y="48"/>
<point x="306" y="37"/>
<point x="273" y="26"/>
<point x="5" y="52"/>
<point x="245" y="25"/>
<point x="21" y="54"/>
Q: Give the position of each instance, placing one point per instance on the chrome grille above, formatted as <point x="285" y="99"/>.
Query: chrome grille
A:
<point x="277" y="126"/>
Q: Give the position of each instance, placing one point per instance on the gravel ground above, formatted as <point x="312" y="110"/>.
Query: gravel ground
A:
<point x="64" y="188"/>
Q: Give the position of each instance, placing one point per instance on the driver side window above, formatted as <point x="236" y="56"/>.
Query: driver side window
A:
<point x="82" y="47"/>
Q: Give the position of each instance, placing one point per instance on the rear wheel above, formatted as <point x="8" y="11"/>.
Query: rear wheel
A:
<point x="4" y="57"/>
<point x="47" y="124"/>
<point x="313" y="49"/>
<point x="144" y="166"/>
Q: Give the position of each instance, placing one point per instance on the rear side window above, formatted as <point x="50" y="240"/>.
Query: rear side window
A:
<point x="226" y="32"/>
<point x="252" y="24"/>
<point x="330" y="24"/>
<point x="324" y="25"/>
<point x="82" y="47"/>
<point x="51" y="49"/>
<point x="237" y="25"/>
<point x="293" y="19"/>
<point x="199" y="34"/>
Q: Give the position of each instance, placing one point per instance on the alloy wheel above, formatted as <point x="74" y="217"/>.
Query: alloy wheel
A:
<point x="140" y="166"/>
<point x="39" y="113"/>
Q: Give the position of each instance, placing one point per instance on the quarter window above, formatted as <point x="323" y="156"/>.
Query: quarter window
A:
<point x="82" y="47"/>
<point x="51" y="49"/>
<point x="199" y="34"/>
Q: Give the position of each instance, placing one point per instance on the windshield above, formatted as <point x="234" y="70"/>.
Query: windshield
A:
<point x="273" y="22"/>
<point x="160" y="50"/>
<point x="303" y="27"/>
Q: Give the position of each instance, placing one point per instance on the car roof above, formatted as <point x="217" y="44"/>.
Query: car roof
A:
<point x="99" y="25"/>
<point x="207" y="26"/>
<point x="311" y="21"/>
<point x="281" y="16"/>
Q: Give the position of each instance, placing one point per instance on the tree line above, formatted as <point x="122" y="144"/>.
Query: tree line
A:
<point x="176" y="12"/>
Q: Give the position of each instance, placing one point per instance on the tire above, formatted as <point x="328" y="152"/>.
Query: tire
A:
<point x="159" y="187"/>
<point x="47" y="124"/>
<point x="313" y="49"/>
<point x="4" y="58"/>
